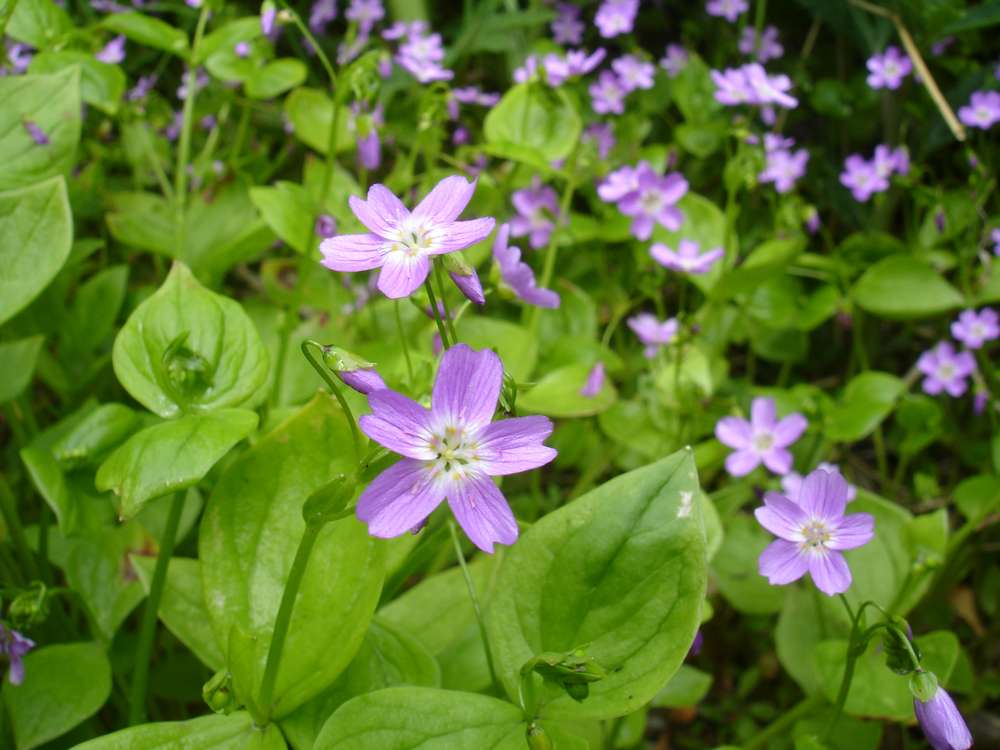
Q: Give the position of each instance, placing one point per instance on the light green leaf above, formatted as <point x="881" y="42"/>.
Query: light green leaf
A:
<point x="903" y="287"/>
<point x="215" y="732"/>
<point x="311" y="113"/>
<point x="514" y="343"/>
<point x="38" y="23"/>
<point x="763" y="262"/>
<point x="867" y="400"/>
<point x="97" y="433"/>
<point x="978" y="496"/>
<point x="227" y="36"/>
<point x="142" y="220"/>
<point x="148" y="31"/>
<point x="275" y="78"/>
<point x="537" y="118"/>
<point x="101" y="84"/>
<point x="558" y="394"/>
<point x="18" y="359"/>
<point x="171" y="456"/>
<point x="288" y="210"/>
<point x="48" y="478"/>
<point x="686" y="688"/>
<point x="735" y="568"/>
<point x="621" y="573"/>
<point x="92" y="316"/>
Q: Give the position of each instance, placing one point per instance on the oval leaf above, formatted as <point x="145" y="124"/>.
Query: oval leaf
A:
<point x="537" y="118"/>
<point x="904" y="287"/>
<point x="233" y="732"/>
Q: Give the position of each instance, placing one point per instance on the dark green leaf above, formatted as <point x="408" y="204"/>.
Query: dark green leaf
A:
<point x="18" y="359"/>
<point x="904" y="287"/>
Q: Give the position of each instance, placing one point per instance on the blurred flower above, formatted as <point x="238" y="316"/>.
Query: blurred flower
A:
<point x="113" y="52"/>
<point x="974" y="329"/>
<point x="764" y="48"/>
<point x="887" y="71"/>
<point x="995" y="237"/>
<point x="728" y="9"/>
<point x="674" y="60"/>
<point x="325" y="226"/>
<point x="812" y="220"/>
<point x="784" y="168"/>
<point x="634" y="72"/>
<point x="982" y="111"/>
<point x="36" y="133"/>
<point x="576" y="62"/>
<point x="945" y="369"/>
<point x="242" y="49"/>
<point x="527" y="70"/>
<point x="537" y="209"/>
<point x="366" y="13"/>
<point x="366" y="132"/>
<point x="942" y="722"/>
<point x="688" y="258"/>
<point x="322" y="13"/>
<point x="791" y="483"/>
<point x="207" y="122"/>
<point x="470" y="95"/>
<point x="401" y="243"/>
<point x="142" y="88"/>
<point x="200" y="81"/>
<point x="751" y="84"/>
<point x="567" y="28"/>
<point x="465" y="278"/>
<point x="518" y="275"/>
<point x="812" y="534"/>
<point x="268" y="14"/>
<point x="696" y="644"/>
<point x="607" y="96"/>
<point x="763" y="438"/>
<point x="451" y="450"/>
<point x="861" y="178"/>
<point x="652" y="332"/>
<point x="651" y="200"/>
<point x="979" y="401"/>
<point x="616" y="17"/>
<point x="602" y="135"/>
<point x="421" y="55"/>
<point x="941" y="45"/>
<point x="14" y="646"/>
<point x="173" y="130"/>
<point x="595" y="381"/>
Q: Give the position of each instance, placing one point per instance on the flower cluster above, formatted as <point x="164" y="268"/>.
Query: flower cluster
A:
<point x="645" y="195"/>
<point x="784" y="167"/>
<point x="982" y="111"/>
<point x="751" y="84"/>
<point x="866" y="177"/>
<point x="763" y="47"/>
<point x="947" y="370"/>
<point x="420" y="52"/>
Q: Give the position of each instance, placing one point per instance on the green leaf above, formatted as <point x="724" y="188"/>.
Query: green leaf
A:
<point x="288" y="210"/>
<point x="48" y="478"/>
<point x="38" y="23"/>
<point x="620" y="572"/>
<point x="735" y="568"/>
<point x="36" y="233"/>
<point x="558" y="394"/>
<point x="867" y="400"/>
<point x="249" y="533"/>
<point x="63" y="685"/>
<point x="764" y="262"/>
<point x="142" y="220"/>
<point x="311" y="113"/>
<point x="686" y="688"/>
<point x="275" y="78"/>
<point x="234" y="732"/>
<point x="978" y="496"/>
<point x="408" y="718"/>
<point x="186" y="349"/>
<point x="537" y="118"/>
<point x="227" y="36"/>
<point x="101" y="84"/>
<point x="18" y="359"/>
<point x="171" y="456"/>
<point x="514" y="343"/>
<point x="902" y="287"/>
<point x="182" y="608"/>
<point x="98" y="432"/>
<point x="92" y="316"/>
<point x="148" y="31"/>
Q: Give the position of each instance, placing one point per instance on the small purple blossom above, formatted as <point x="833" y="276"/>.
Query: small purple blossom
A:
<point x="674" y="60"/>
<point x="364" y="380"/>
<point x="942" y="722"/>
<point x="653" y="333"/>
<point x="537" y="209"/>
<point x="474" y="95"/>
<point x="763" y="48"/>
<point x="941" y="45"/>
<point x="200" y="81"/>
<point x="616" y="17"/>
<point x="696" y="644"/>
<point x="173" y="129"/>
<point x="402" y="243"/>
<point x="688" y="258"/>
<point x="784" y="168"/>
<point x="567" y="28"/>
<point x="812" y="534"/>
<point x="974" y="329"/>
<point x="751" y="84"/>
<point x="241" y="49"/>
<point x="607" y="95"/>
<point x="861" y="178"/>
<point x="325" y="226"/>
<point x="113" y="52"/>
<point x="594" y="382"/>
<point x="791" y="483"/>
<point x="518" y="275"/>
<point x="602" y="135"/>
<point x="653" y="201"/>
<point x="451" y="450"/>
<point x="812" y="220"/>
<point x="19" y="57"/>
<point x="142" y="88"/>
<point x="634" y="72"/>
<point x="268" y="15"/>
<point x="365" y="13"/>
<point x="321" y="14"/>
<point x="421" y="55"/>
<point x="761" y="439"/>
<point x="995" y="237"/>
<point x="36" y="133"/>
<point x="577" y="62"/>
<point x="14" y="646"/>
<point x="982" y="111"/>
<point x="728" y="9"/>
<point x="468" y="283"/>
<point x="887" y="71"/>
<point x="945" y="369"/>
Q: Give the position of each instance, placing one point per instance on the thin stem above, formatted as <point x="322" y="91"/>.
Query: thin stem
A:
<point x="8" y="508"/>
<point x="321" y="371"/>
<point x="147" y="630"/>
<point x="553" y="247"/>
<point x="323" y="59"/>
<point x="404" y="344"/>
<point x="446" y="313"/>
<point x="284" y="616"/>
<point x="781" y="725"/>
<point x="475" y="599"/>
<point x="437" y="313"/>
<point x="852" y="657"/>
<point x="184" y="145"/>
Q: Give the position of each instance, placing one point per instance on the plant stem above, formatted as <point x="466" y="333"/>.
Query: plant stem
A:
<point x="437" y="314"/>
<point x="284" y="616"/>
<point x="321" y="371"/>
<point x="553" y="248"/>
<point x="144" y="648"/>
<point x="475" y="600"/>
<point x="446" y="313"/>
<point x="323" y="59"/>
<point x="852" y="657"/>
<point x="404" y="344"/>
<point x="184" y="144"/>
<point x="782" y="723"/>
<point x="8" y="508"/>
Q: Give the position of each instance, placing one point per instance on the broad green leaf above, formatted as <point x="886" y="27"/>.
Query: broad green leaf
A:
<point x="148" y="31"/>
<point x="18" y="359"/>
<point x="558" y="394"/>
<point x="63" y="685"/>
<point x="408" y="718"/>
<point x="762" y="263"/>
<point x="38" y="23"/>
<point x="686" y="688"/>
<point x="735" y="568"/>
<point x="222" y="229"/>
<point x="903" y="287"/>
<point x="249" y="534"/>
<point x="171" y="456"/>
<point x="621" y="573"/>
<point x="214" y="732"/>
<point x="514" y="343"/>
<point x="187" y="349"/>
<point x="978" y="496"/>
<point x="310" y="111"/>
<point x="694" y="92"/>
<point x="52" y="103"/>
<point x="275" y="78"/>
<point x="98" y="432"/>
<point x="182" y="608"/>
<point x="867" y="400"/>
<point x="48" y="478"/>
<point x="101" y="84"/>
<point x="288" y="210"/>
<point x="537" y="118"/>
<point x="95" y="307"/>
<point x="227" y="36"/>
<point x="701" y="139"/>
<point x="851" y="734"/>
<point x="142" y="220"/>
<point x="36" y="233"/>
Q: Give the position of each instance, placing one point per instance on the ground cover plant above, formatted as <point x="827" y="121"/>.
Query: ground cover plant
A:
<point x="499" y="374"/>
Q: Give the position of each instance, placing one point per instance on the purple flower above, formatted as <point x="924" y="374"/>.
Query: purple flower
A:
<point x="784" y="168"/>
<point x="451" y="451"/>
<point x="979" y="401"/>
<point x="812" y="534"/>
<point x="942" y="722"/>
<point x="142" y="88"/>
<point x="602" y="135"/>
<point x="473" y="95"/>
<point x="173" y="130"/>
<point x="401" y="243"/>
<point x="607" y="96"/>
<point x="763" y="438"/>
<point x="634" y="72"/>
<point x="325" y="226"/>
<point x="537" y="209"/>
<point x="728" y="9"/>
<point x="974" y="329"/>
<point x="322" y="13"/>
<point x="674" y="60"/>
<point x="567" y="28"/>
<point x="887" y="71"/>
<point x="616" y="17"/>
<point x="766" y="47"/>
<point x="595" y="381"/>
<point x="696" y="644"/>
<point x="19" y="56"/>
<point x="200" y="81"/>
<point x="241" y="49"/>
<point x="751" y="84"/>
<point x="14" y="646"/>
<point x="812" y="220"/>
<point x="113" y="52"/>
<point x="560" y="68"/>
<point x="688" y="258"/>
<point x="421" y="56"/>
<point x="982" y="111"/>
<point x="518" y="275"/>
<point x="364" y="380"/>
<point x="465" y="278"/>
<point x="945" y="369"/>
<point x="652" y="332"/>
<point x="268" y="15"/>
<point x="861" y="178"/>
<point x="995" y="237"/>
<point x="366" y="13"/>
<point x="618" y="184"/>
<point x="369" y="145"/>
<point x="652" y="201"/>
<point x="941" y="45"/>
<point x="36" y="133"/>
<point x="791" y="483"/>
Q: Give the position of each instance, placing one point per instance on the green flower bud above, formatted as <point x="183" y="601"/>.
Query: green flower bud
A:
<point x="329" y="502"/>
<point x="923" y="685"/>
<point x="30" y="607"/>
<point x="218" y="693"/>
<point x="537" y="738"/>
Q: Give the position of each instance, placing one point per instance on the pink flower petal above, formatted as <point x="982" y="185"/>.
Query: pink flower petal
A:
<point x="482" y="512"/>
<point x="446" y="201"/>
<point x="398" y="423"/>
<point x="782" y="562"/>
<point x="762" y="413"/>
<point x="789" y="429"/>
<point x="742" y="462"/>
<point x="459" y="235"/>
<point x="824" y="494"/>
<point x="778" y="460"/>
<point x="353" y="252"/>
<point x="399" y="499"/>
<point x="855" y="530"/>
<point x="467" y="386"/>
<point x="734" y="432"/>
<point x="514" y="445"/>
<point x="781" y="517"/>
<point x="829" y="572"/>
<point x="402" y="274"/>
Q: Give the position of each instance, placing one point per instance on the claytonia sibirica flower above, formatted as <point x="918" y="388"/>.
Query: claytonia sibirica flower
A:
<point x="142" y="88"/>
<point x="268" y="15"/>
<point x="652" y="332"/>
<point x="594" y="382"/>
<point x="401" y="243"/>
<point x="607" y="95"/>
<point x="784" y="168"/>
<point x="688" y="258"/>
<point x="366" y="13"/>
<point x="728" y="9"/>
<point x="36" y="133"/>
<point x="567" y="28"/>
<point x="765" y="48"/>
<point x="602" y="135"/>
<point x="945" y="369"/>
<point x="812" y="534"/>
<point x="751" y="84"/>
<point x="674" y="60"/>
<point x="646" y="196"/>
<point x="982" y="111"/>
<point x="113" y="52"/>
<point x="974" y="329"/>
<point x="764" y="438"/>
<point x="518" y="275"/>
<point x="616" y="17"/>
<point x="325" y="226"/>
<point x="634" y="72"/>
<point x="421" y="54"/>
<point x="18" y="56"/>
<point x="995" y="237"/>
<point x="942" y="722"/>
<point x="451" y="450"/>
<point x="537" y="208"/>
<point x="14" y="646"/>
<point x="862" y="178"/>
<point x="560" y="68"/>
<point x="887" y="71"/>
<point x="791" y="483"/>
<point x="321" y="14"/>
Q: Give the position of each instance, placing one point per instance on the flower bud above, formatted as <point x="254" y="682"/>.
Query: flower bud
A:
<point x="218" y="693"/>
<point x="940" y="719"/>
<point x="537" y="738"/>
<point x="268" y="14"/>
<point x="465" y="277"/>
<point x="353" y="371"/>
<point x="329" y="501"/>
<point x="30" y="607"/>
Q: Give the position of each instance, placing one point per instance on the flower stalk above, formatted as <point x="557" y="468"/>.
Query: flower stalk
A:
<point x="306" y="347"/>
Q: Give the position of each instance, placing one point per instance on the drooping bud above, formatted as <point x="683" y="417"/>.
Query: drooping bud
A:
<point x="325" y="226"/>
<point x="14" y="646"/>
<point x="268" y="14"/>
<point x="902" y="655"/>
<point x="940" y="718"/>
<point x="595" y="381"/>
<point x="355" y="372"/>
<point x="465" y="277"/>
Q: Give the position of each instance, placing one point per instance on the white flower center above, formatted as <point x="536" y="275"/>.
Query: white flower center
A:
<point x="946" y="371"/>
<point x="456" y="453"/>
<point x="762" y="442"/>
<point x="414" y="239"/>
<point x="815" y="534"/>
<point x="977" y="331"/>
<point x="652" y="201"/>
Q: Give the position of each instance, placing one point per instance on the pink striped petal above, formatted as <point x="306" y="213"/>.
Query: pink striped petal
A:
<point x="781" y="517"/>
<point x="829" y="572"/>
<point x="353" y="252"/>
<point x="778" y="460"/>
<point x="824" y="494"/>
<point x="446" y="201"/>
<point x="514" y="445"/>
<point x="734" y="432"/>
<point x="398" y="423"/>
<point x="382" y="213"/>
<point x="742" y="462"/>
<point x="399" y="499"/>
<point x="482" y="512"/>
<point x="459" y="235"/>
<point x="789" y="429"/>
<point x="855" y="530"/>
<point x="402" y="274"/>
<point x="467" y="387"/>
<point x="781" y="562"/>
<point x="762" y="413"/>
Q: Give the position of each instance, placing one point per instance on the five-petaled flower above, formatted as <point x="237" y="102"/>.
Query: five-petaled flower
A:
<point x="451" y="451"/>
<point x="401" y="243"/>
<point x="764" y="438"/>
<point x="812" y="533"/>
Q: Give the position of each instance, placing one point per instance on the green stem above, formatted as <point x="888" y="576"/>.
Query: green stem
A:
<point x="323" y="59"/>
<point x="184" y="145"/>
<point x="321" y="371"/>
<point x="552" y="249"/>
<point x="404" y="344"/>
<point x="444" y="303"/>
<point x="436" y="313"/>
<point x="8" y="508"/>
<point x="147" y="630"/>
<point x="284" y="616"/>
<point x="852" y="657"/>
<point x="475" y="600"/>
<point x="781" y="725"/>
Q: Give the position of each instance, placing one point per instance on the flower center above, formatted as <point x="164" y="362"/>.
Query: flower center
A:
<point x="456" y="452"/>
<point x="414" y="239"/>
<point x="651" y="201"/>
<point x="815" y="534"/>
<point x="763" y="441"/>
<point x="946" y="371"/>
